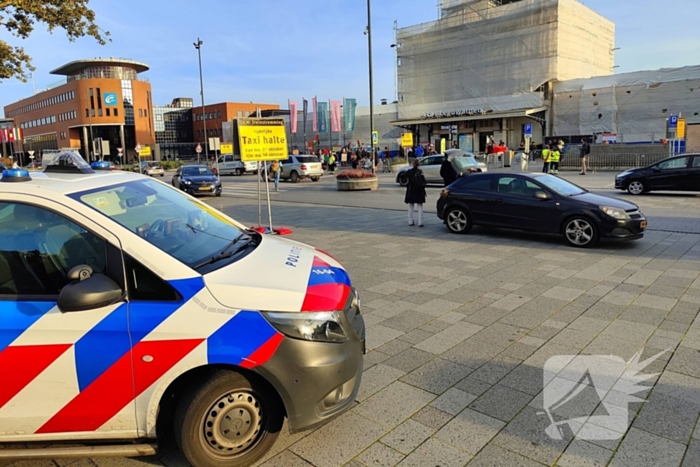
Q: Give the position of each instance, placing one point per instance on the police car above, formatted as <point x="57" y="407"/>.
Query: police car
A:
<point x="128" y="306"/>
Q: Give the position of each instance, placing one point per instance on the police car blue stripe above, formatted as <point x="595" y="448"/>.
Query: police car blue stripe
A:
<point x="17" y="317"/>
<point x="240" y="337"/>
<point x="328" y="275"/>
<point x="114" y="336"/>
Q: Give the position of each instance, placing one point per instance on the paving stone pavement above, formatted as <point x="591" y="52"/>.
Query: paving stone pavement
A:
<point x="460" y="329"/>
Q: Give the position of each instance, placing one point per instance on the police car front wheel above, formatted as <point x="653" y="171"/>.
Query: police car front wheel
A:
<point x="229" y="421"/>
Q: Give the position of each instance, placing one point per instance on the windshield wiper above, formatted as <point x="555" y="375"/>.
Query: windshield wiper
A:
<point x="242" y="241"/>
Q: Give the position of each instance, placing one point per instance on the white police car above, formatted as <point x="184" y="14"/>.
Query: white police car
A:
<point x="128" y="306"/>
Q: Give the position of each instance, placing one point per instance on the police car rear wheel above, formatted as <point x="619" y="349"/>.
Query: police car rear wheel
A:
<point x="229" y="420"/>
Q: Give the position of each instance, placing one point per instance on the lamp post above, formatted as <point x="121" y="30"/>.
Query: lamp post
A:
<point x="198" y="46"/>
<point x="371" y="82"/>
<point x="395" y="46"/>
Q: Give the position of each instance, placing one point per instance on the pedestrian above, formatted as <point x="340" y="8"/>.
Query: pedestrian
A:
<point x="415" y="193"/>
<point x="447" y="172"/>
<point x="419" y="151"/>
<point x="354" y="161"/>
<point x="585" y="151"/>
<point x="546" y="153"/>
<point x="331" y="162"/>
<point x="554" y="160"/>
<point x="275" y="172"/>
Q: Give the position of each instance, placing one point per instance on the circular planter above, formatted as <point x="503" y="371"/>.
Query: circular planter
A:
<point x="358" y="184"/>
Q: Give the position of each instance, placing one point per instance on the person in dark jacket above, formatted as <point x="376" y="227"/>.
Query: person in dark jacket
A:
<point x="447" y="172"/>
<point x="415" y="193"/>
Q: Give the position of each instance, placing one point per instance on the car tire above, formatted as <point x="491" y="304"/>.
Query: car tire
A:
<point x="636" y="187"/>
<point x="315" y="179"/>
<point x="294" y="177"/>
<point x="203" y="421"/>
<point x="458" y="220"/>
<point x="580" y="232"/>
<point x="403" y="180"/>
<point x="162" y="175"/>
<point x="240" y="172"/>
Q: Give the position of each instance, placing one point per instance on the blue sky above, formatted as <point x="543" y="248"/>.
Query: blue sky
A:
<point x="273" y="50"/>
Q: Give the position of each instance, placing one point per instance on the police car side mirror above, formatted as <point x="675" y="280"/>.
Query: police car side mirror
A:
<point x="88" y="292"/>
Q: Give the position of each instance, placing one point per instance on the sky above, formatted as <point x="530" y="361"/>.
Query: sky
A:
<point x="269" y="51"/>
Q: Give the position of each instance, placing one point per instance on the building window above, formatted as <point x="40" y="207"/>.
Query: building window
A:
<point x="87" y="112"/>
<point x="107" y="109"/>
<point x="140" y="112"/>
<point x="116" y="112"/>
<point x="218" y="114"/>
<point x="93" y="112"/>
<point x="99" y="112"/>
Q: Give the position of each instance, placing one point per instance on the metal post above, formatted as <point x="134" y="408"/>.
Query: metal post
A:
<point x="198" y="46"/>
<point x="371" y="82"/>
<point x="259" y="200"/>
<point x="90" y="148"/>
<point x="396" y="60"/>
<point x="267" y="191"/>
<point x="330" y="127"/>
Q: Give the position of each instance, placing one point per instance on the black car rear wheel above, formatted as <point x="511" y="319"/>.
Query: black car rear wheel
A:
<point x="636" y="187"/>
<point x="458" y="220"/>
<point x="403" y="180"/>
<point x="580" y="232"/>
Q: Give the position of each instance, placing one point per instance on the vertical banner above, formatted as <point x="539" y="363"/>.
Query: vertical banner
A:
<point x="293" y="117"/>
<point x="305" y="112"/>
<point x="322" y="117"/>
<point x="3" y="135"/>
<point x="335" y="116"/>
<point x="314" y="110"/>
<point x="349" y="111"/>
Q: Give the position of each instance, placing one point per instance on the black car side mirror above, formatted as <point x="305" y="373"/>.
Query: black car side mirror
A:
<point x="542" y="195"/>
<point x="88" y="291"/>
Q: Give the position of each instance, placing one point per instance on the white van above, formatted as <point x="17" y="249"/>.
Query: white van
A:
<point x="232" y="165"/>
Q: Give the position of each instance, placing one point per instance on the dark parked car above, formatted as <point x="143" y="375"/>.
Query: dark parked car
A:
<point x="197" y="180"/>
<point x="680" y="173"/>
<point x="538" y="203"/>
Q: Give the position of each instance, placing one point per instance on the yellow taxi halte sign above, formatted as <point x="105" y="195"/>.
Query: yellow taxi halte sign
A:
<point x="262" y="139"/>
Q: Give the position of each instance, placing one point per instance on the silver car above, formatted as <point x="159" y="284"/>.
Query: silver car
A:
<point x="431" y="168"/>
<point x="229" y="165"/>
<point x="301" y="166"/>
<point x="151" y="168"/>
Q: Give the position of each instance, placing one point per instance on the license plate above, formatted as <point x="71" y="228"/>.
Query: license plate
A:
<point x="643" y="224"/>
<point x="204" y="188"/>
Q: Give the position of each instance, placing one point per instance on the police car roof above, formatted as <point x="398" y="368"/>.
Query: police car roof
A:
<point x="62" y="183"/>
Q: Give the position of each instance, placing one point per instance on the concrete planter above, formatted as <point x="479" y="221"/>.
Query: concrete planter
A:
<point x="358" y="184"/>
<point x="398" y="167"/>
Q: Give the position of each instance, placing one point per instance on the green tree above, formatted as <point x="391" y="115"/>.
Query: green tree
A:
<point x="18" y="17"/>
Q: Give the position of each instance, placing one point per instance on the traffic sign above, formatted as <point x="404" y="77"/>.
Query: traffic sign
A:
<point x="407" y="140"/>
<point x="226" y="148"/>
<point x="528" y="129"/>
<point x="375" y="138"/>
<point x="119" y="151"/>
<point x="262" y="139"/>
<point x="680" y="131"/>
<point x="673" y="121"/>
<point x="198" y="149"/>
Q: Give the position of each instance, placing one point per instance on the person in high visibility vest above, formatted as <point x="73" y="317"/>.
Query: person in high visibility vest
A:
<point x="546" y="154"/>
<point x="554" y="161"/>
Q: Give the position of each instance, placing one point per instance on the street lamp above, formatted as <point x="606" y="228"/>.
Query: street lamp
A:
<point x="395" y="46"/>
<point x="198" y="46"/>
<point x="371" y="81"/>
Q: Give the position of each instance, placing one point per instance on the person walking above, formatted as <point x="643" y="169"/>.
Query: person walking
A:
<point x="448" y="172"/>
<point x="546" y="153"/>
<point x="554" y="160"/>
<point x="585" y="151"/>
<point x="415" y="193"/>
<point x="331" y="163"/>
<point x="275" y="172"/>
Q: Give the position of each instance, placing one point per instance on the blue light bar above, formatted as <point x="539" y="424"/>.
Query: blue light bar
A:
<point x="100" y="165"/>
<point x="15" y="175"/>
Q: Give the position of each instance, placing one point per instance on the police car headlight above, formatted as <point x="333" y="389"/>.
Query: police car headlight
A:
<point x="318" y="327"/>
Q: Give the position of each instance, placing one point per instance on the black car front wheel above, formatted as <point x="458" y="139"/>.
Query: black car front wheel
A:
<point x="458" y="221"/>
<point x="403" y="180"/>
<point x="580" y="232"/>
<point x="636" y="187"/>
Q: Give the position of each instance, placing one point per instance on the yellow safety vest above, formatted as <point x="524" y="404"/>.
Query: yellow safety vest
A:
<point x="555" y="156"/>
<point x="545" y="154"/>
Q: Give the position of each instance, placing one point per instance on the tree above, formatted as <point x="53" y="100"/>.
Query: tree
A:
<point x="18" y="17"/>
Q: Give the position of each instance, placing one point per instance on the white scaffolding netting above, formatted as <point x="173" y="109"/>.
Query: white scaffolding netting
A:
<point x="481" y="49"/>
<point x="635" y="106"/>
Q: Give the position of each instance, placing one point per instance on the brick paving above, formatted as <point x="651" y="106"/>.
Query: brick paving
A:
<point x="460" y="329"/>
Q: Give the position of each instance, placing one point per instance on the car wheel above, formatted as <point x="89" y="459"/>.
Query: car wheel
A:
<point x="217" y="194"/>
<point x="458" y="220"/>
<point x="636" y="187"/>
<point x="315" y="179"/>
<point x="240" y="172"/>
<point x="228" y="420"/>
<point x="580" y="232"/>
<point x="162" y="175"/>
<point x="294" y="177"/>
<point x="403" y="180"/>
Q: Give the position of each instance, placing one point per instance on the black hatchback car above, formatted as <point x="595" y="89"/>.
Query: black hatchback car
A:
<point x="197" y="180"/>
<point x="538" y="203"/>
<point x="680" y="173"/>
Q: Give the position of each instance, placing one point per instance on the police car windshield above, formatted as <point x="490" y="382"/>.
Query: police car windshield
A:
<point x="186" y="229"/>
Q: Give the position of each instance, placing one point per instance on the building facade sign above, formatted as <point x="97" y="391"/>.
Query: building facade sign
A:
<point x="455" y="113"/>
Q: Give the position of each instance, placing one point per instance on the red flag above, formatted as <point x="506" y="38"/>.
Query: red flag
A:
<point x="11" y="135"/>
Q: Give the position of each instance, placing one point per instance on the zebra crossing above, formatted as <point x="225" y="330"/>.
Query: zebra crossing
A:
<point x="248" y="191"/>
